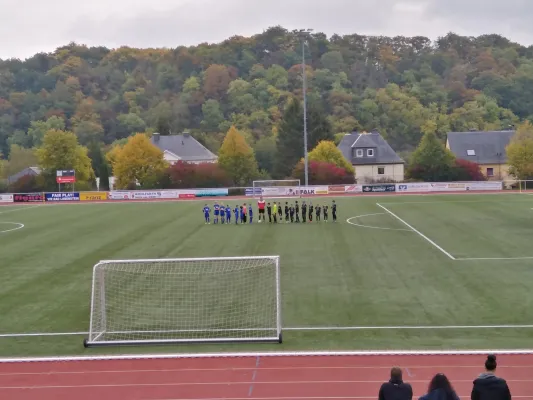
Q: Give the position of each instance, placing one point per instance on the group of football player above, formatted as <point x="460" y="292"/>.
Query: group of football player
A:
<point x="293" y="212"/>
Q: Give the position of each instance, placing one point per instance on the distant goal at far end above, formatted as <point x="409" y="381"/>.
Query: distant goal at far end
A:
<point x="185" y="300"/>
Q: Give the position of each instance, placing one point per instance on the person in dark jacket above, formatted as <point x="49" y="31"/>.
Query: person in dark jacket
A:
<point x="488" y="386"/>
<point x="395" y="388"/>
<point x="440" y="388"/>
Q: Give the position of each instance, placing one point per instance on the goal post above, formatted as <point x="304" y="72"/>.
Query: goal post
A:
<point x="277" y="188"/>
<point x="185" y="300"/>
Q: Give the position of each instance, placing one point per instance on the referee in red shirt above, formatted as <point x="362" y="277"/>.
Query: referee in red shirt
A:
<point x="261" y="207"/>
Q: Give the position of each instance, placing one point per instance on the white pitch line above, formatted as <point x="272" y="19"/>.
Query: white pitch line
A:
<point x="495" y="258"/>
<point x="269" y="354"/>
<point x="373" y="227"/>
<point x="417" y="231"/>
<point x="20" y="226"/>
<point x="313" y="328"/>
<point x="406" y="327"/>
<point x="19" y="209"/>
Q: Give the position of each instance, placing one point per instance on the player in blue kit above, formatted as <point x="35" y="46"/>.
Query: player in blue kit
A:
<point x="222" y="214"/>
<point x="250" y="212"/>
<point x="207" y="212"/>
<point x="236" y="212"/>
<point x="228" y="214"/>
<point x="217" y="211"/>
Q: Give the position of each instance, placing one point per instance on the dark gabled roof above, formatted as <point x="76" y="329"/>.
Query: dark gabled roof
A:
<point x="355" y="140"/>
<point x="184" y="146"/>
<point x="33" y="171"/>
<point x="488" y="147"/>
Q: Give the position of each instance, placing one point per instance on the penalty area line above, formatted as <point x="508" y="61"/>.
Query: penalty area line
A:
<point x="418" y="232"/>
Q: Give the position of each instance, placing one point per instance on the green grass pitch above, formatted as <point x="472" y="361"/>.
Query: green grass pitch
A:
<point x="370" y="271"/>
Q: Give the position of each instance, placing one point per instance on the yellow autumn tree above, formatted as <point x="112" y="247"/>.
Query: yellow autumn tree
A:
<point x="60" y="150"/>
<point x="137" y="161"/>
<point x="520" y="152"/>
<point x="327" y="151"/>
<point x="237" y="158"/>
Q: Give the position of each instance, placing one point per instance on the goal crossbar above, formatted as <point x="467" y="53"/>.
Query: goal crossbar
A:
<point x="185" y="300"/>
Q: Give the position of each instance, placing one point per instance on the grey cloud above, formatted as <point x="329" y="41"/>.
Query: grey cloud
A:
<point x="42" y="26"/>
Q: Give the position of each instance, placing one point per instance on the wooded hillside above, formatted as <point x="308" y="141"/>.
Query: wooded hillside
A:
<point x="400" y="86"/>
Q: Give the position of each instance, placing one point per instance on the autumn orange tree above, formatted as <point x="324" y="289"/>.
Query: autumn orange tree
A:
<point x="237" y="158"/>
<point x="137" y="161"/>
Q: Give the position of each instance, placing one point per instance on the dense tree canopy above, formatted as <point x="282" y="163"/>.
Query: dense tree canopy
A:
<point x="401" y="86"/>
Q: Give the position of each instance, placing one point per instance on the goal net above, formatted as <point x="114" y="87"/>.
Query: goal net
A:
<point x="277" y="188"/>
<point x="187" y="300"/>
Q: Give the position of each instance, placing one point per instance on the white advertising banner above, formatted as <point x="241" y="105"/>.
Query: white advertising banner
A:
<point x="144" y="194"/>
<point x="353" y="188"/>
<point x="6" y="198"/>
<point x="484" y="186"/>
<point x="413" y="187"/>
<point x="460" y="186"/>
<point x="447" y="187"/>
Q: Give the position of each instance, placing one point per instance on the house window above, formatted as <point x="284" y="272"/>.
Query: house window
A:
<point x="470" y="152"/>
<point x="490" y="171"/>
<point x="381" y="170"/>
<point x="359" y="153"/>
<point x="370" y="152"/>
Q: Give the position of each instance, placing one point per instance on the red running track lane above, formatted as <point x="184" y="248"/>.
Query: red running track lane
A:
<point x="239" y="378"/>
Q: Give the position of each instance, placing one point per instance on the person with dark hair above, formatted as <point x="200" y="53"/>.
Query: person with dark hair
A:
<point x="440" y="388"/>
<point x="488" y="386"/>
<point x="395" y="388"/>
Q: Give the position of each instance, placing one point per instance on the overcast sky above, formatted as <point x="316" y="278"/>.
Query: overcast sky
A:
<point x="31" y="26"/>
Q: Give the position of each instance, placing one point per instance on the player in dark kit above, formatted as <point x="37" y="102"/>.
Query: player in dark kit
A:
<point x="310" y="212"/>
<point x="318" y="209"/>
<point x="334" y="211"/>
<point x="280" y="212"/>
<point x="291" y="212"/>
<point x="304" y="211"/>
<point x="269" y="212"/>
<point x="287" y="212"/>
<point x="325" y="213"/>
<point x="297" y="211"/>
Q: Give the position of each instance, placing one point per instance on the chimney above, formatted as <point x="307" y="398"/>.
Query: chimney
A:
<point x="155" y="135"/>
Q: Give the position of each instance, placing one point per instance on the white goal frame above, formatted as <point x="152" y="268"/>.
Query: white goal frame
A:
<point x="272" y="192"/>
<point x="96" y="338"/>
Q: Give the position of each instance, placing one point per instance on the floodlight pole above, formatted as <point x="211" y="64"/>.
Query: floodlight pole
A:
<point x="304" y="33"/>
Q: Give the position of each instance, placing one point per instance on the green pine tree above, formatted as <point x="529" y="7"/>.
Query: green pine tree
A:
<point x="431" y="161"/>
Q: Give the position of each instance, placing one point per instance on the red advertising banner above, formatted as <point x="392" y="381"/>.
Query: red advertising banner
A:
<point x="66" y="176"/>
<point x="187" y="195"/>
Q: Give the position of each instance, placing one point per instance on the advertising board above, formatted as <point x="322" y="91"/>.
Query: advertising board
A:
<point x="119" y="195"/>
<point x="379" y="188"/>
<point x="66" y="176"/>
<point x="336" y="189"/>
<point x="28" y="197"/>
<point x="6" y="198"/>
<point x="251" y="191"/>
<point x="62" y="196"/>
<point x="447" y="187"/>
<point x="484" y="185"/>
<point x="353" y="189"/>
<point x="413" y="187"/>
<point x="93" y="196"/>
<point x="211" y="192"/>
<point x="186" y="196"/>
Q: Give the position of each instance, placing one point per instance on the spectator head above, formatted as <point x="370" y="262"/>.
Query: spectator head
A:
<point x="490" y="363"/>
<point x="396" y="373"/>
<point x="440" y="381"/>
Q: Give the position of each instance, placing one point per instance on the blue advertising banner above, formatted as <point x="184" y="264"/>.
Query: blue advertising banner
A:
<point x="64" y="196"/>
<point x="210" y="192"/>
<point x="252" y="191"/>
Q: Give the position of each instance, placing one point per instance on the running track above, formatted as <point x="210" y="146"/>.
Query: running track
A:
<point x="239" y="378"/>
